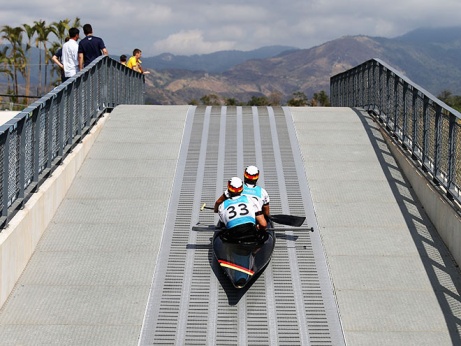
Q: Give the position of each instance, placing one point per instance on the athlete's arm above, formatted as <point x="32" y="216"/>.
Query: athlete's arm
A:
<point x="266" y="210"/>
<point x="261" y="221"/>
<point x="221" y="199"/>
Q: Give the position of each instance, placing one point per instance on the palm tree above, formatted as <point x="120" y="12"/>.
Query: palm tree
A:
<point x="43" y="32"/>
<point x="20" y="62"/>
<point x="5" y="64"/>
<point x="61" y="29"/>
<point x="50" y="29"/>
<point x="76" y="23"/>
<point x="39" y="27"/>
<point x="14" y="36"/>
<point x="30" y="32"/>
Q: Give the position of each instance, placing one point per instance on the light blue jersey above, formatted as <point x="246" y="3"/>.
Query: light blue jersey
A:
<point x="258" y="193"/>
<point x="238" y="211"/>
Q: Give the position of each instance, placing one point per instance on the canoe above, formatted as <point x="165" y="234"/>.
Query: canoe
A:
<point x="243" y="259"/>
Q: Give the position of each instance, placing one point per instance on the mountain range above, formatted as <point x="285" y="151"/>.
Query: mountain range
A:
<point x="430" y="57"/>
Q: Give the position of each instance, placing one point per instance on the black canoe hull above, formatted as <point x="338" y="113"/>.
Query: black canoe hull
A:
<point x="243" y="261"/>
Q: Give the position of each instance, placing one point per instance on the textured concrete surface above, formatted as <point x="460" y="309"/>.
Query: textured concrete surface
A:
<point x="395" y="282"/>
<point x="88" y="281"/>
<point x="19" y="240"/>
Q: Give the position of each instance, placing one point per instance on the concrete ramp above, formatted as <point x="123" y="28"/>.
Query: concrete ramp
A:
<point x="119" y="265"/>
<point x="191" y="302"/>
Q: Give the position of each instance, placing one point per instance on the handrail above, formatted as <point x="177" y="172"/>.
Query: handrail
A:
<point x="34" y="142"/>
<point x="425" y="126"/>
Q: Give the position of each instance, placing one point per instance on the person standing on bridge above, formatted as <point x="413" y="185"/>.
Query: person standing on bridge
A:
<point x="240" y="213"/>
<point x="70" y="54"/>
<point x="90" y="47"/>
<point x="123" y="59"/>
<point x="251" y="176"/>
<point x="57" y="59"/>
<point x="135" y="62"/>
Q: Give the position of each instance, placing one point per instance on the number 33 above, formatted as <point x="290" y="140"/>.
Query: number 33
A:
<point x="240" y="211"/>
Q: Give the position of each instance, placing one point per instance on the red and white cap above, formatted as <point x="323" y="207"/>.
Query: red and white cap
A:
<point x="251" y="174"/>
<point x="235" y="186"/>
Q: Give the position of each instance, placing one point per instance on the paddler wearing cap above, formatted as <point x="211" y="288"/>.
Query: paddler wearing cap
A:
<point x="238" y="212"/>
<point x="250" y="188"/>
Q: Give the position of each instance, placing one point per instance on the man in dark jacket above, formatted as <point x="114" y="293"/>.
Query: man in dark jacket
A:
<point x="90" y="47"/>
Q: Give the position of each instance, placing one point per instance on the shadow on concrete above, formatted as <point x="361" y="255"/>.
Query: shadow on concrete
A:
<point x="441" y="269"/>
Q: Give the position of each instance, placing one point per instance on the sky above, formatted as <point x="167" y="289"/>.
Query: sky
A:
<point x="187" y="27"/>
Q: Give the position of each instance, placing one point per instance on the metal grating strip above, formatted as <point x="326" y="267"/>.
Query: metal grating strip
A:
<point x="191" y="302"/>
<point x="323" y="321"/>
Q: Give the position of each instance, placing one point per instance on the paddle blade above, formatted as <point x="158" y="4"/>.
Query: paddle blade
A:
<point x="289" y="220"/>
<point x="209" y="228"/>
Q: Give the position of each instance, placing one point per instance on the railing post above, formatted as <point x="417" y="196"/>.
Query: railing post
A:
<point x="451" y="153"/>
<point x="396" y="106"/>
<point x="437" y="149"/>
<point x="390" y="93"/>
<point x="5" y="174"/>
<point x="425" y="132"/>
<point x="414" y="119"/>
<point x="48" y="134"/>
<point x="36" y="145"/>
<point x="22" y="156"/>
<point x="405" y="111"/>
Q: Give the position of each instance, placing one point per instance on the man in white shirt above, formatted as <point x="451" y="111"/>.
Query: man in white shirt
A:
<point x="70" y="54"/>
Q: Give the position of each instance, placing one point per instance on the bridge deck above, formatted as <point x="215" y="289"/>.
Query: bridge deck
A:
<point x="373" y="270"/>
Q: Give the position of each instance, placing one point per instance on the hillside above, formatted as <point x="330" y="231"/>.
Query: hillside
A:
<point x="430" y="57"/>
<point x="434" y="64"/>
<point x="216" y="62"/>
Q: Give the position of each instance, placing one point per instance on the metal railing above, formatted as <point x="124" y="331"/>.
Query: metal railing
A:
<point x="425" y="126"/>
<point x="35" y="142"/>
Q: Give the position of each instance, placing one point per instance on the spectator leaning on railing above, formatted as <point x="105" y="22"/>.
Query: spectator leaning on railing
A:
<point x="135" y="61"/>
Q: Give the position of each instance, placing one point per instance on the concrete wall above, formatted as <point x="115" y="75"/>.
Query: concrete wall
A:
<point x="19" y="240"/>
<point x="444" y="214"/>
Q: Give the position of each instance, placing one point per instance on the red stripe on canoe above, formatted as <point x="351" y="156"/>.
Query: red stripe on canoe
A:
<point x="236" y="267"/>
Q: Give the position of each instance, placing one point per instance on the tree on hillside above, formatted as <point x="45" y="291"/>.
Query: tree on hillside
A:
<point x="275" y="98"/>
<point x="454" y="101"/>
<point x="232" y="102"/>
<point x="258" y="101"/>
<point x="320" y="99"/>
<point x="299" y="99"/>
<point x="211" y="100"/>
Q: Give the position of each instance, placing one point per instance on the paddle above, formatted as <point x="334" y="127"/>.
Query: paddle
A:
<point x="289" y="220"/>
<point x="283" y="219"/>
<point x="205" y="207"/>
<point x="213" y="228"/>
